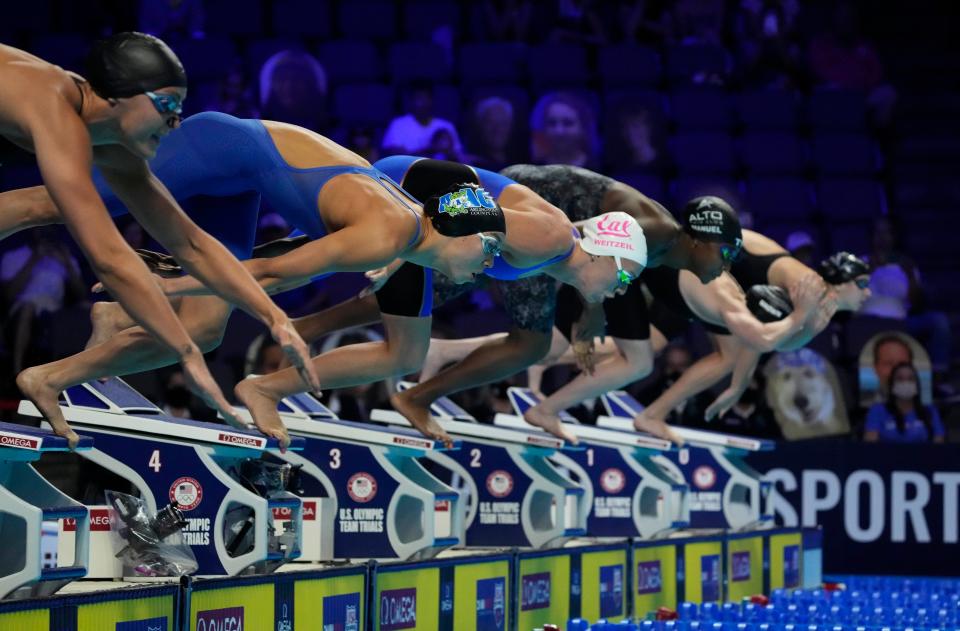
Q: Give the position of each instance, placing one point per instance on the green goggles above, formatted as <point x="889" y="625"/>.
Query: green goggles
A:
<point x="729" y="253"/>
<point x="624" y="278"/>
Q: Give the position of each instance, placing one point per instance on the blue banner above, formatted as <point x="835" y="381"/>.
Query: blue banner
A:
<point x="884" y="508"/>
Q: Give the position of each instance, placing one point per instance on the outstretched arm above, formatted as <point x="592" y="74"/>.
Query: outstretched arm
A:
<point x="65" y="160"/>
<point x="767" y="336"/>
<point x="62" y="145"/>
<point x="632" y="361"/>
<point x="814" y="325"/>
<point x="356" y="248"/>
<point x="743" y="368"/>
<point x="202" y="255"/>
<point x="703" y="374"/>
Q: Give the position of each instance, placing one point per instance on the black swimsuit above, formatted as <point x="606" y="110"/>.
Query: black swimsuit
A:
<point x="670" y="312"/>
<point x="752" y="269"/>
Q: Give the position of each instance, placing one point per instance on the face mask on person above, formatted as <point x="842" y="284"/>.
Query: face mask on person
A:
<point x="904" y="389"/>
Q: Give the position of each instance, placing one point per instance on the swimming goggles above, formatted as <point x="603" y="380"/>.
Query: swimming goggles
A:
<point x="166" y="103"/>
<point x="729" y="253"/>
<point x="491" y="245"/>
<point x="624" y="278"/>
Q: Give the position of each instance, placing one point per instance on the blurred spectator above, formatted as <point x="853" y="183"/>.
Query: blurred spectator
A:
<point x="170" y="19"/>
<point x="234" y="95"/>
<point x="903" y="417"/>
<point x="293" y="89"/>
<point x="642" y="21"/>
<point x="768" y="49"/>
<point x="842" y="57"/>
<point x="445" y="37"/>
<point x="564" y="131"/>
<point x="889" y="351"/>
<point x="39" y="278"/>
<point x="419" y="132"/>
<point x="508" y="20"/>
<point x="894" y="279"/>
<point x="492" y="132"/>
<point x="697" y="21"/>
<point x="176" y="398"/>
<point x="801" y="246"/>
<point x="642" y="140"/>
<point x="362" y="141"/>
<point x="897" y="293"/>
<point x="750" y="416"/>
<point x="264" y="357"/>
<point x="674" y="360"/>
<point x="356" y="402"/>
<point x="444" y="146"/>
<point x="576" y="21"/>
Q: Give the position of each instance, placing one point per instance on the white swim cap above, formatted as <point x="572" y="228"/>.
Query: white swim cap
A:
<point x="617" y="235"/>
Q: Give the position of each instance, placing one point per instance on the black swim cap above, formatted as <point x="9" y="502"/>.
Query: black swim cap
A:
<point x="464" y="209"/>
<point x="769" y="303"/>
<point x="712" y="219"/>
<point x="842" y="267"/>
<point x="128" y="64"/>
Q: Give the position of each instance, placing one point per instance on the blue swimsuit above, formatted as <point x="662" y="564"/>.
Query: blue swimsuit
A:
<point x="399" y="168"/>
<point x="219" y="168"/>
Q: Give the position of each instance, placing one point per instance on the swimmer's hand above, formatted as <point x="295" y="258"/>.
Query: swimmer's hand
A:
<point x="825" y="311"/>
<point x="722" y="404"/>
<point x="583" y="352"/>
<point x="379" y="277"/>
<point x="806" y="294"/>
<point x="160" y="264"/>
<point x="297" y="352"/>
<point x="592" y="324"/>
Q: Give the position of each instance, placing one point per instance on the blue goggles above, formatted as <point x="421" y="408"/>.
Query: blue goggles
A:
<point x="166" y="103"/>
<point x="491" y="245"/>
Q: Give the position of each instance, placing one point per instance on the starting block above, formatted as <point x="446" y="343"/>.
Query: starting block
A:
<point x="27" y="500"/>
<point x="515" y="496"/>
<point x="167" y="459"/>
<point x="628" y="492"/>
<point x="725" y="491"/>
<point x="365" y="494"/>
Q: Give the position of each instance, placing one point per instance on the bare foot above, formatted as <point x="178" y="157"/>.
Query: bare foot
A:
<point x="105" y="318"/>
<point x="263" y="408"/>
<point x="36" y="387"/>
<point x="656" y="427"/>
<point x="550" y="423"/>
<point x="419" y="416"/>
